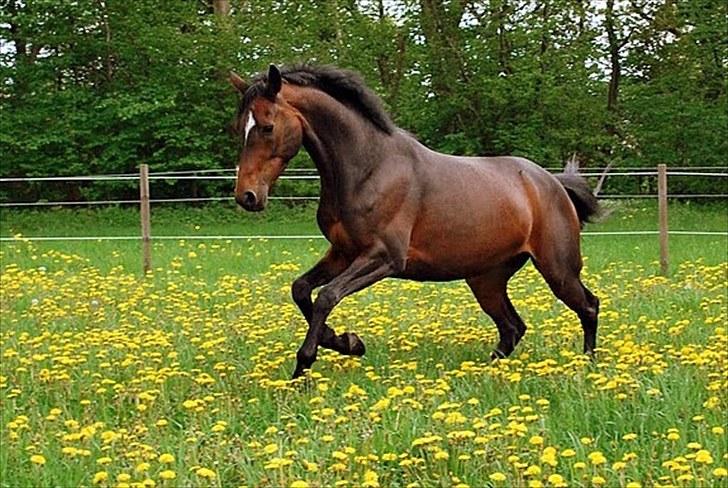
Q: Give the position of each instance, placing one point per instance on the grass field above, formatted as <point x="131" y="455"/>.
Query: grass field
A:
<point x="181" y="378"/>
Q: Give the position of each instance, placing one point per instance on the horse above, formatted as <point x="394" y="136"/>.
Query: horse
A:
<point x="392" y="208"/>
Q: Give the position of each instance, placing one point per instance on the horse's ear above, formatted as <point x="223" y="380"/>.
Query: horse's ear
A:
<point x="240" y="84"/>
<point x="274" y="81"/>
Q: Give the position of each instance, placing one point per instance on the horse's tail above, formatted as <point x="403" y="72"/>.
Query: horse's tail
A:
<point x="586" y="203"/>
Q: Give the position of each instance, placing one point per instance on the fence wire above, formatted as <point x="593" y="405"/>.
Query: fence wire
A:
<point x="312" y="237"/>
<point x="206" y="176"/>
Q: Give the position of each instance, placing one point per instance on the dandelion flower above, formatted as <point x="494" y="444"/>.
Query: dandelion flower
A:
<point x="166" y="458"/>
<point x="206" y="473"/>
<point x="497" y="476"/>
<point x="37" y="459"/>
<point x="536" y="440"/>
<point x="100" y="477"/>
<point x="168" y="474"/>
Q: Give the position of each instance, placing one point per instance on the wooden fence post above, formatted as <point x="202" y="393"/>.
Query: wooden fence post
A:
<point x="145" y="217"/>
<point x="662" y="206"/>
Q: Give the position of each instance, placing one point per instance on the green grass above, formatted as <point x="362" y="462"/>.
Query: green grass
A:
<point x="211" y="337"/>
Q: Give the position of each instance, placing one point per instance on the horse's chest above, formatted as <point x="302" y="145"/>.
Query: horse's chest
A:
<point x="337" y="234"/>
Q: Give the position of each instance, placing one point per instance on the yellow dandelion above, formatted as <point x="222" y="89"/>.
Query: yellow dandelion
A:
<point x="166" y="458"/>
<point x="441" y="455"/>
<point x="536" y="440"/>
<point x="556" y="480"/>
<point x="37" y="459"/>
<point x="206" y="473"/>
<point x="100" y="477"/>
<point x="598" y="480"/>
<point x="497" y="476"/>
<point x="168" y="474"/>
<point x="597" y="458"/>
<point x="703" y="457"/>
<point x="371" y="480"/>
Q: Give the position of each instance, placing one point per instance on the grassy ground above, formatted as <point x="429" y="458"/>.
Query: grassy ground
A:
<point x="180" y="379"/>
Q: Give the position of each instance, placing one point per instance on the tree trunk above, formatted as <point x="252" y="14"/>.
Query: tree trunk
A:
<point x="109" y="61"/>
<point x="614" y="58"/>
<point x="440" y="26"/>
<point x="391" y="67"/>
<point x="221" y="7"/>
<point x="504" y="48"/>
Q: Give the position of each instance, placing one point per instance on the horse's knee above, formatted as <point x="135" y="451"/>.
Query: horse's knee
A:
<point x="300" y="290"/>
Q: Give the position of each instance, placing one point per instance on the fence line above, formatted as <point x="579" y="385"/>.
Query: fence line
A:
<point x="144" y="177"/>
<point x="548" y="168"/>
<point x="310" y="198"/>
<point x="310" y="237"/>
<point x="166" y="176"/>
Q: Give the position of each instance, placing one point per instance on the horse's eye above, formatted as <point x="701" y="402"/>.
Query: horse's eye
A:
<point x="267" y="129"/>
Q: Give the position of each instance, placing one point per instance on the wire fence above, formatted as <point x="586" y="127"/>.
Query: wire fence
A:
<point x="306" y="175"/>
<point x="311" y="237"/>
<point x="209" y="177"/>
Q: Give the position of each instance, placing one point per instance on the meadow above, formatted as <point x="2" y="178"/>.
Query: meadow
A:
<point x="181" y="378"/>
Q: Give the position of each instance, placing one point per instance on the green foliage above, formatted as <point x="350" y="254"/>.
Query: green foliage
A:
<point x="95" y="86"/>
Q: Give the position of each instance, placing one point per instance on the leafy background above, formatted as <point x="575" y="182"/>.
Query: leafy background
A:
<point x="100" y="86"/>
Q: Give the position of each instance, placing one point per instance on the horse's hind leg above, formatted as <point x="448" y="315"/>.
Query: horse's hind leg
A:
<point x="490" y="289"/>
<point x="561" y="271"/>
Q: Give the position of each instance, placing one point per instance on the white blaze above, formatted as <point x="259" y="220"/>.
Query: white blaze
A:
<point x="249" y="124"/>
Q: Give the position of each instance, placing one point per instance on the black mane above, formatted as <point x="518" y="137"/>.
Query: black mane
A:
<point x="344" y="85"/>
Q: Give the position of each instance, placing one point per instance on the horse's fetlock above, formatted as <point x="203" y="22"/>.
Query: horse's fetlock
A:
<point x="305" y="358"/>
<point x="590" y="314"/>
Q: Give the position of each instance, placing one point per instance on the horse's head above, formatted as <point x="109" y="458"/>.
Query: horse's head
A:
<point x="271" y="132"/>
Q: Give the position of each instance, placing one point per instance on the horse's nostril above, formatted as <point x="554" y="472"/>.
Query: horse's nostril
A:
<point x="247" y="200"/>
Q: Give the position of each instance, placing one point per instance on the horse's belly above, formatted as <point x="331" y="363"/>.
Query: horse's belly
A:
<point x="448" y="265"/>
<point x="418" y="270"/>
<point x="462" y="245"/>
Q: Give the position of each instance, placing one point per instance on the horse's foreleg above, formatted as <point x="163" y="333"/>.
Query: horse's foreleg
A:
<point x="362" y="272"/>
<point x="322" y="273"/>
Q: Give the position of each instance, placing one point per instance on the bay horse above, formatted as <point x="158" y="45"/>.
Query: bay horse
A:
<point x="391" y="207"/>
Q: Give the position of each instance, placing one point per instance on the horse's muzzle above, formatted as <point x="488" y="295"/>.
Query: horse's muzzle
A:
<point x="249" y="201"/>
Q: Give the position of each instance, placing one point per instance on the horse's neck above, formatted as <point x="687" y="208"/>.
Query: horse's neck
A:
<point x="342" y="145"/>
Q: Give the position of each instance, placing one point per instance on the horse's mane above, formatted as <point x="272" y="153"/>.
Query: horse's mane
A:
<point x="344" y="85"/>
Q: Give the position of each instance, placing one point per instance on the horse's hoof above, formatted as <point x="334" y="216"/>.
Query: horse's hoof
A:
<point x="497" y="354"/>
<point x="356" y="346"/>
<point x="298" y="372"/>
